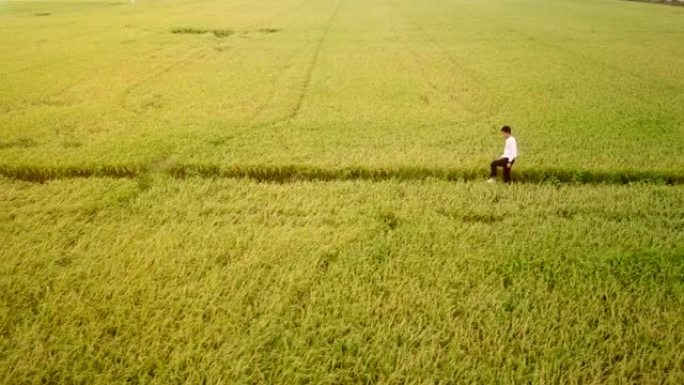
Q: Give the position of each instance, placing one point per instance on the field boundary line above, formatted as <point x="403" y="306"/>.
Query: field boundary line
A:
<point x="299" y="172"/>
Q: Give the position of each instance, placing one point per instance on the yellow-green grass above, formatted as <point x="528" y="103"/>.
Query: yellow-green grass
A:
<point x="587" y="85"/>
<point x="234" y="281"/>
<point x="282" y="192"/>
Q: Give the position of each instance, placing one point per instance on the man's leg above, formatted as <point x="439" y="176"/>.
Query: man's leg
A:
<point x="507" y="172"/>
<point x="498" y="163"/>
<point x="493" y="169"/>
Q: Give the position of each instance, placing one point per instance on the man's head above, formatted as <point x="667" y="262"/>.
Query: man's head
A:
<point x="506" y="132"/>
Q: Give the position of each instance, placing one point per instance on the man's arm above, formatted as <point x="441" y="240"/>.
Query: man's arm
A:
<point x="509" y="152"/>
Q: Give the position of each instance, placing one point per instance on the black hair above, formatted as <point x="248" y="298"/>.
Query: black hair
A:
<point x="506" y="129"/>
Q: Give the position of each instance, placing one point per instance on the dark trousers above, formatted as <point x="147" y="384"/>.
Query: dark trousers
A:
<point x="503" y="162"/>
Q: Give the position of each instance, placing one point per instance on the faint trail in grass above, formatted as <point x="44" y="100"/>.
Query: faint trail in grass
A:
<point x="529" y="34"/>
<point x="47" y="99"/>
<point x="285" y="12"/>
<point x="193" y="56"/>
<point x="271" y="94"/>
<point x="312" y="64"/>
<point x="566" y="51"/>
<point x="51" y="99"/>
<point x="268" y="100"/>
<point x="294" y="172"/>
<point x="68" y="59"/>
<point x="305" y="87"/>
<point x="458" y="66"/>
<point x="38" y="67"/>
<point x="418" y="60"/>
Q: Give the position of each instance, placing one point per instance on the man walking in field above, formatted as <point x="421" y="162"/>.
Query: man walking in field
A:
<point x="507" y="159"/>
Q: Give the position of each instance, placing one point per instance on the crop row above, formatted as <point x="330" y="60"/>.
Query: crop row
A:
<point x="284" y="173"/>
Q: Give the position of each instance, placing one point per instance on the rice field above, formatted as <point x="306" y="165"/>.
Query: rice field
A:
<point x="281" y="192"/>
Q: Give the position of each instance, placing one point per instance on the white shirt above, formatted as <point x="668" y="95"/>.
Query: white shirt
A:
<point x="510" y="149"/>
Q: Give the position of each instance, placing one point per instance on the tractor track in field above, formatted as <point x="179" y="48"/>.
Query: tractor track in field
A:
<point x="301" y="172"/>
<point x="305" y="85"/>
<point x="268" y="100"/>
<point x="199" y="54"/>
<point x="270" y="96"/>
<point x="308" y="76"/>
